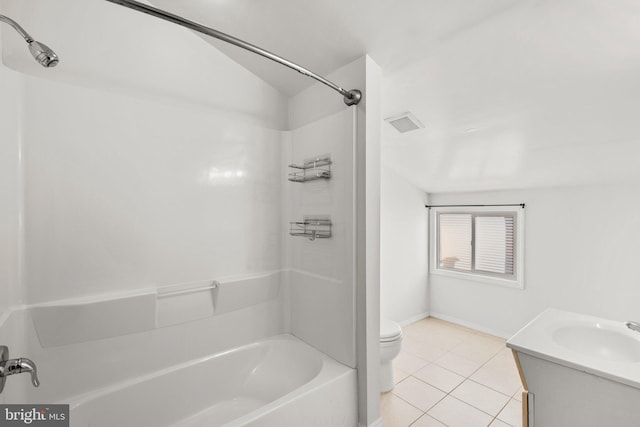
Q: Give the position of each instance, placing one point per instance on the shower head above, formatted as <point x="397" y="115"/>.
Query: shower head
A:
<point x="43" y="54"/>
<point x="40" y="51"/>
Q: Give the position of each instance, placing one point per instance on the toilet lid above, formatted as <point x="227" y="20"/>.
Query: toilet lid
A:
<point x="389" y="330"/>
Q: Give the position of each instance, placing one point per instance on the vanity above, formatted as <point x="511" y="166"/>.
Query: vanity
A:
<point x="578" y="371"/>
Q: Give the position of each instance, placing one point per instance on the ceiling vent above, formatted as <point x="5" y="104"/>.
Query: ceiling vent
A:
<point x="405" y="122"/>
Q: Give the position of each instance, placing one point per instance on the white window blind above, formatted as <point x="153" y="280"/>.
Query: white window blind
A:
<point x="494" y="244"/>
<point x="455" y="241"/>
<point x="477" y="242"/>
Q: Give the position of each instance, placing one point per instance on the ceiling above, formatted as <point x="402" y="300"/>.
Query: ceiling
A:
<point x="327" y="34"/>
<point x="513" y="93"/>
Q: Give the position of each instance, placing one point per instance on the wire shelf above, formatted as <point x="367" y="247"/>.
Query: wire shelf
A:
<point x="313" y="228"/>
<point x="312" y="169"/>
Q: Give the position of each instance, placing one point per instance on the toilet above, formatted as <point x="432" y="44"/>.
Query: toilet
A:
<point x="390" y="342"/>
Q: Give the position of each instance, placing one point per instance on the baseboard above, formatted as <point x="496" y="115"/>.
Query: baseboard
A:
<point x="413" y="319"/>
<point x="471" y="325"/>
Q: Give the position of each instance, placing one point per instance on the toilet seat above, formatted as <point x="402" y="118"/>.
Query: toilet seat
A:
<point x="389" y="331"/>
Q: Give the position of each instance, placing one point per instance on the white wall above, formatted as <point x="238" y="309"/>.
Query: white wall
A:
<point x="124" y="193"/>
<point x="403" y="250"/>
<point x="10" y="194"/>
<point x="11" y="324"/>
<point x="322" y="271"/>
<point x="581" y="255"/>
<point x="143" y="167"/>
<point x="367" y="166"/>
<point x="316" y="114"/>
<point x="114" y="48"/>
<point x="322" y="297"/>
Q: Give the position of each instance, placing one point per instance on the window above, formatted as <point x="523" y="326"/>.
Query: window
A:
<point x="477" y="244"/>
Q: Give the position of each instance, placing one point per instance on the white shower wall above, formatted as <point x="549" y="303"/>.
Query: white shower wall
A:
<point x="149" y="172"/>
<point x="113" y="48"/>
<point x="145" y="172"/>
<point x="321" y="272"/>
<point x="145" y="164"/>
<point x="123" y="193"/>
<point x="10" y="104"/>
<point x="332" y="311"/>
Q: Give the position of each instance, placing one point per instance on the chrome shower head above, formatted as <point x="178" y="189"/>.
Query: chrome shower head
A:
<point x="43" y="54"/>
<point x="40" y="51"/>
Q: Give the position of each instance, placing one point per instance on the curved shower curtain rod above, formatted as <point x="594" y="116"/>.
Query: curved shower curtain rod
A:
<point x="351" y="97"/>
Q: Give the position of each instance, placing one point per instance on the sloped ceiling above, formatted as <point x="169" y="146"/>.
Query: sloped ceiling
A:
<point x="327" y="34"/>
<point x="546" y="94"/>
<point x="513" y="93"/>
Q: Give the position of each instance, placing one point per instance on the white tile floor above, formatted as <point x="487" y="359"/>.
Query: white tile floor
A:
<point x="447" y="375"/>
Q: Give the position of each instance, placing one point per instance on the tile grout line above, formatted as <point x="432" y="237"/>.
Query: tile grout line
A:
<point x="404" y="400"/>
<point x="465" y="378"/>
<point x="447" y="394"/>
<point x="472" y="373"/>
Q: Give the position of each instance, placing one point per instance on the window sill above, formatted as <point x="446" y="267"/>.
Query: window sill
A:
<point x="513" y="284"/>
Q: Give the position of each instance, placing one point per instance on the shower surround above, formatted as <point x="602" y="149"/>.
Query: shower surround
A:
<point x="135" y="188"/>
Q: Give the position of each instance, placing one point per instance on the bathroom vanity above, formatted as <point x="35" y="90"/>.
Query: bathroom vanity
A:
<point x="578" y="370"/>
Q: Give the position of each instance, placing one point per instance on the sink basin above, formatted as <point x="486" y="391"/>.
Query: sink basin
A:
<point x="598" y="342"/>
<point x="578" y="370"/>
<point x="588" y="344"/>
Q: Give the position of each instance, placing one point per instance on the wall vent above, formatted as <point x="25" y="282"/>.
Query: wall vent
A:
<point x="405" y="122"/>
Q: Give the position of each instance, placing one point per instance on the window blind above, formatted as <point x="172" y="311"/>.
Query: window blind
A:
<point x="477" y="242"/>
<point x="494" y="244"/>
<point x="455" y="241"/>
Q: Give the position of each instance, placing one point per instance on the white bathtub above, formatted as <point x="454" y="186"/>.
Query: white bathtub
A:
<point x="277" y="382"/>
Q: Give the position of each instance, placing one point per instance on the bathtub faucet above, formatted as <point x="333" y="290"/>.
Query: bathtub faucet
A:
<point x="634" y="326"/>
<point x="16" y="366"/>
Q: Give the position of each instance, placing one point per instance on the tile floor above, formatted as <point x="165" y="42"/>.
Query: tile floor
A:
<point x="447" y="375"/>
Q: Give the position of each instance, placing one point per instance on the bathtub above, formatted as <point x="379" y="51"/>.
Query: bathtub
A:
<point x="276" y="382"/>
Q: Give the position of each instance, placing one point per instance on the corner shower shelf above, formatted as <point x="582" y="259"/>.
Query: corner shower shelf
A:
<point x="312" y="169"/>
<point x="313" y="228"/>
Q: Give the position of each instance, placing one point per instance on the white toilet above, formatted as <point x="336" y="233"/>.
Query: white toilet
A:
<point x="390" y="343"/>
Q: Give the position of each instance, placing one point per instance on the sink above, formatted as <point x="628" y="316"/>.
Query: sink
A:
<point x="601" y="347"/>
<point x="578" y="370"/>
<point x="598" y="342"/>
